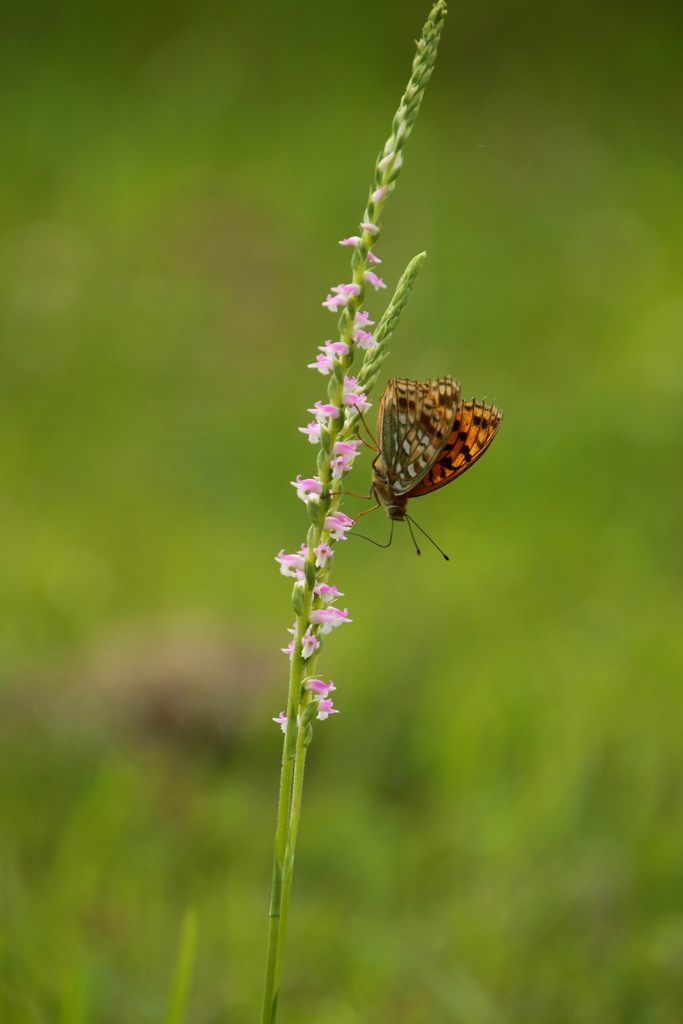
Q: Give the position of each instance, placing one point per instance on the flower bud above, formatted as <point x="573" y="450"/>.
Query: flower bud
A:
<point x="309" y="713"/>
<point x="309" y="570"/>
<point x="297" y="599"/>
<point x="344" y="321"/>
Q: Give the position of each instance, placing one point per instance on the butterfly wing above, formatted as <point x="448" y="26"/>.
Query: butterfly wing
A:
<point x="415" y="421"/>
<point x="473" y="430"/>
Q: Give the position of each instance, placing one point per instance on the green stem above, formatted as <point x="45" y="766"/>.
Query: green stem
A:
<point x="294" y="813"/>
<point x="273" y="955"/>
<point x="275" y="931"/>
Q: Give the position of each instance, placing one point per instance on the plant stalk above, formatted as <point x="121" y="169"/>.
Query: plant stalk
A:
<point x="278" y="902"/>
<point x="301" y="707"/>
<point x="294" y="814"/>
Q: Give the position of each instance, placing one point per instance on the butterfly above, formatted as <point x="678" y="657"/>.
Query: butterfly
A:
<point x="427" y="437"/>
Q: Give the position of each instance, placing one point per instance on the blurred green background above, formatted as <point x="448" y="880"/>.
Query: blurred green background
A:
<point x="493" y="827"/>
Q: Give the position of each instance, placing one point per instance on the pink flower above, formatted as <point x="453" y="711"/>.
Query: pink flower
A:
<point x="371" y="258"/>
<point x="321" y="411"/>
<point x="338" y="524"/>
<point x="363" y="320"/>
<point x="358" y="400"/>
<point x="308" y="487"/>
<point x="322" y="363"/>
<point x="347" y="289"/>
<point x="327" y="592"/>
<point x="318" y="686"/>
<point x="379" y="194"/>
<point x="313" y="431"/>
<point x="340" y="518"/>
<point x="374" y="280"/>
<point x="333" y="302"/>
<point x="345" y="454"/>
<point x="289" y="649"/>
<point x="309" y="644"/>
<point x="363" y="339"/>
<point x="328" y="352"/>
<point x="339" y="466"/>
<point x="328" y="618"/>
<point x="345" y="447"/>
<point x="282" y="721"/>
<point x="355" y="398"/>
<point x="322" y="553"/>
<point x="335" y="348"/>
<point x="343" y="461"/>
<point x="290" y="564"/>
<point x="372" y="229"/>
<point x="353" y="240"/>
<point x="325" y="709"/>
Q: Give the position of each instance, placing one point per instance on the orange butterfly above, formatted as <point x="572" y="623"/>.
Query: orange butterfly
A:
<point x="427" y="437"/>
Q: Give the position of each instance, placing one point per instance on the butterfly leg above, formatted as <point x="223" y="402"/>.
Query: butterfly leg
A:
<point x="376" y="449"/>
<point x="364" y="513"/>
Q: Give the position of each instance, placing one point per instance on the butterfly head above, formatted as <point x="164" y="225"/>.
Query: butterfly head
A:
<point x="394" y="505"/>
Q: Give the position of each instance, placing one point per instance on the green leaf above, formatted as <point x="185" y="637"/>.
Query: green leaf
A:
<point x="180" y="989"/>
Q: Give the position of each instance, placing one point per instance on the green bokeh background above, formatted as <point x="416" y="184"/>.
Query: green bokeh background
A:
<point x="493" y="827"/>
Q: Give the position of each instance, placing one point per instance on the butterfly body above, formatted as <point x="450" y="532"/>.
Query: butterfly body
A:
<point x="427" y="437"/>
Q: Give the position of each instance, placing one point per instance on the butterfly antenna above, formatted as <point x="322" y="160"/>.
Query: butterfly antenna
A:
<point x="376" y="543"/>
<point x="428" y="537"/>
<point x="413" y="537"/>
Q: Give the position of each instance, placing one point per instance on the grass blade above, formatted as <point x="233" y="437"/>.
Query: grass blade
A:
<point x="182" y="978"/>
